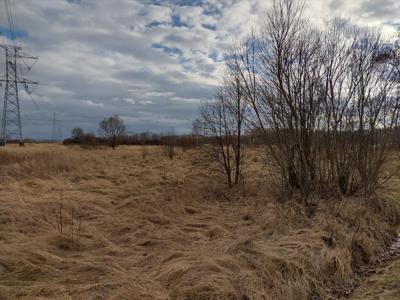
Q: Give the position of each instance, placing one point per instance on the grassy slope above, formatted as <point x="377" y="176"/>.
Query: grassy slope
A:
<point x="159" y="229"/>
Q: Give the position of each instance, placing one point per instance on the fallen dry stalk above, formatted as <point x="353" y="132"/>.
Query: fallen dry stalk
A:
<point x="146" y="238"/>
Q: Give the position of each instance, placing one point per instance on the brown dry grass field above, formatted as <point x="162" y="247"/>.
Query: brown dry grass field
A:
<point x="136" y="225"/>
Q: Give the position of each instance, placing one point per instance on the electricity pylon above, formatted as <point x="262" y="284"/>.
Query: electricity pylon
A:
<point x="54" y="130"/>
<point x="56" y="134"/>
<point x="11" y="126"/>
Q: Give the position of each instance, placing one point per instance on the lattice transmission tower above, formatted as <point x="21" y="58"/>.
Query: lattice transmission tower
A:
<point x="56" y="134"/>
<point x="11" y="126"/>
<point x="54" y="130"/>
<point x="15" y="66"/>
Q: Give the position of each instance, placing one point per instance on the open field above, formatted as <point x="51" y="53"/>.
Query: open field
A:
<point x="95" y="223"/>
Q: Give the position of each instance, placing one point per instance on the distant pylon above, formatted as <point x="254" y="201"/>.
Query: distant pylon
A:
<point x="56" y="134"/>
<point x="54" y="130"/>
<point x="59" y="134"/>
<point x="11" y="126"/>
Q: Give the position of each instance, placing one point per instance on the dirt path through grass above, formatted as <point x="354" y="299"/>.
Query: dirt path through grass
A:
<point x="384" y="284"/>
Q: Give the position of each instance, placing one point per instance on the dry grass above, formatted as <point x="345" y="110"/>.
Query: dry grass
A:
<point x="152" y="228"/>
<point x="382" y="286"/>
<point x="35" y="161"/>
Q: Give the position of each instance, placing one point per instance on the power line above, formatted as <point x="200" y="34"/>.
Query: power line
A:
<point x="11" y="126"/>
<point x="11" y="21"/>
<point x="37" y="106"/>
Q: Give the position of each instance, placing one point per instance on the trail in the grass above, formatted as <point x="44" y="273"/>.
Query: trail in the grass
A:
<point x="384" y="283"/>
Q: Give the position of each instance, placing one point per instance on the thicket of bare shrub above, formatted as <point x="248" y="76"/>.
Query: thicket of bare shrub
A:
<point x="325" y="100"/>
<point x="223" y="119"/>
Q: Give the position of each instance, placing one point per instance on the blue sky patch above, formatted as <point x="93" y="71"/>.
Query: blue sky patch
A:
<point x="177" y="22"/>
<point x="214" y="56"/>
<point x="166" y="49"/>
<point x="154" y="24"/>
<point x="177" y="2"/>
<point x="5" y="31"/>
<point x="209" y="26"/>
<point x="212" y="10"/>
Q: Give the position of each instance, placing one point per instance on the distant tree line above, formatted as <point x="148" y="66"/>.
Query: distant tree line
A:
<point x="185" y="141"/>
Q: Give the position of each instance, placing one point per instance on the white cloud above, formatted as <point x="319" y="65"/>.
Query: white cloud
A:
<point x="92" y="103"/>
<point x="176" y="98"/>
<point x="158" y="94"/>
<point x="129" y="100"/>
<point x="146" y="102"/>
<point x="123" y="52"/>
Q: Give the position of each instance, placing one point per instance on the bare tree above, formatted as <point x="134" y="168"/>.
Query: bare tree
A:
<point x="290" y="94"/>
<point x="77" y="133"/>
<point x="236" y="106"/>
<point x="375" y="105"/>
<point x="217" y="125"/>
<point x="326" y="101"/>
<point x="197" y="127"/>
<point x="112" y="128"/>
<point x="223" y="119"/>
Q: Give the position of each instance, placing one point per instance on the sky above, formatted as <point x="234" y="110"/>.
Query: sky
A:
<point x="151" y="62"/>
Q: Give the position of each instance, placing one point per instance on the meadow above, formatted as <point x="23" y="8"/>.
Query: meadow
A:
<point x="96" y="223"/>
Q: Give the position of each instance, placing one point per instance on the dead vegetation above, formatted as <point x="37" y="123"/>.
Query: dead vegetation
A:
<point x="325" y="101"/>
<point x="293" y="219"/>
<point x="17" y="163"/>
<point x="160" y="229"/>
<point x="69" y="226"/>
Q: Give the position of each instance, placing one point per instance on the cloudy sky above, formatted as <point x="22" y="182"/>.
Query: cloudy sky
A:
<point x="149" y="61"/>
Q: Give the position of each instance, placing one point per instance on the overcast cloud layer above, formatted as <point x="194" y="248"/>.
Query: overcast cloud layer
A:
<point x="149" y="61"/>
